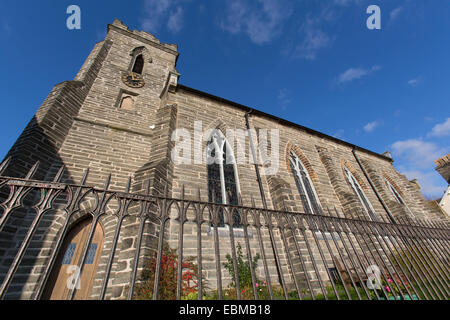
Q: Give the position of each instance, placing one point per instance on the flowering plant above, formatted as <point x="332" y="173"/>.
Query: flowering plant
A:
<point x="168" y="277"/>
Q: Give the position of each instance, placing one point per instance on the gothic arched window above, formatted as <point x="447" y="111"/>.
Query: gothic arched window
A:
<point x="361" y="196"/>
<point x="138" y="66"/>
<point x="223" y="181"/>
<point x="127" y="103"/>
<point x="304" y="185"/>
<point x="397" y="196"/>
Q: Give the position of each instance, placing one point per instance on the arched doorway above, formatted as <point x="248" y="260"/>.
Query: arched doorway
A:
<point x="64" y="271"/>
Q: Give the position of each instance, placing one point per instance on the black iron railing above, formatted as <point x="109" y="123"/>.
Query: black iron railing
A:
<point x="189" y="255"/>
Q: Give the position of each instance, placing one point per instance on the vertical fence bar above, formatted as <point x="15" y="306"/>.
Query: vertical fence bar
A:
<point x="311" y="255"/>
<point x="329" y="226"/>
<point x="181" y="220"/>
<point x="352" y="230"/>
<point x="121" y="214"/>
<point x="163" y="216"/>
<point x="438" y="267"/>
<point x="244" y="220"/>
<point x="229" y="212"/>
<point x="44" y="205"/>
<point x="424" y="269"/>
<point x="294" y="236"/>
<point x="16" y="196"/>
<point x="199" y="220"/>
<point x="376" y="235"/>
<point x="257" y="224"/>
<point x="401" y="255"/>
<point x="340" y="229"/>
<point x="422" y="252"/>
<point x="281" y="228"/>
<point x="433" y="238"/>
<point x="363" y="232"/>
<point x="329" y="223"/>
<point x="435" y="269"/>
<point x="399" y="228"/>
<point x="413" y="250"/>
<point x="215" y="221"/>
<point x="268" y="220"/>
<point x="391" y="254"/>
<point x="316" y="227"/>
<point x="97" y="213"/>
<point x="72" y="204"/>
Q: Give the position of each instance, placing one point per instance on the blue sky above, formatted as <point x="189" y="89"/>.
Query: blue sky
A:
<point x="313" y="62"/>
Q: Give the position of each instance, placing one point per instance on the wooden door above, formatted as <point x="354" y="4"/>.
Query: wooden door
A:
<point x="64" y="273"/>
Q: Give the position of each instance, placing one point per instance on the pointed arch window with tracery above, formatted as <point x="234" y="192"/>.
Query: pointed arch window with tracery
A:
<point x="223" y="180"/>
<point x="368" y="209"/>
<point x="397" y="196"/>
<point x="304" y="185"/>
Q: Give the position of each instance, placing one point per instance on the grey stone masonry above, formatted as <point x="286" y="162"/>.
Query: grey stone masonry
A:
<point x="82" y="125"/>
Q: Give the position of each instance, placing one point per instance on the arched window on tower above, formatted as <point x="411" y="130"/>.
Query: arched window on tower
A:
<point x="138" y="66"/>
<point x="127" y="103"/>
<point x="361" y="196"/>
<point x="397" y="196"/>
<point x="304" y="185"/>
<point x="223" y="180"/>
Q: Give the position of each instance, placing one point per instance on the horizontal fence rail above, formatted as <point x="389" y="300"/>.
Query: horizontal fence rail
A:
<point x="158" y="247"/>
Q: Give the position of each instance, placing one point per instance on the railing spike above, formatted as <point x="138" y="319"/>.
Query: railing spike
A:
<point x="240" y="199"/>
<point x="147" y="187"/>
<point x="4" y="165"/>
<point x="128" y="186"/>
<point x="166" y="189"/>
<point x="182" y="191"/>
<point x="253" y="201"/>
<point x="213" y="197"/>
<point x="59" y="174"/>
<point x="85" y="176"/>
<point x="33" y="170"/>
<point x="107" y="182"/>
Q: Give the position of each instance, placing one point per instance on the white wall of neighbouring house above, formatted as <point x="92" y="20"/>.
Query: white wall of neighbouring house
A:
<point x="445" y="201"/>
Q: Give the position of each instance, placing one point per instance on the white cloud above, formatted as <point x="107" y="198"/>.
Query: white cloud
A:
<point x="157" y="12"/>
<point x="346" y="2"/>
<point x="395" y="13"/>
<point x="415" y="82"/>
<point x="175" y="22"/>
<point x="6" y="27"/>
<point x="260" y="20"/>
<point x="339" y="134"/>
<point x="356" y="73"/>
<point x="284" y="96"/>
<point x="441" y="129"/>
<point x="314" y="39"/>
<point x="418" y="153"/>
<point x="416" y="160"/>
<point x="370" y="127"/>
<point x="431" y="184"/>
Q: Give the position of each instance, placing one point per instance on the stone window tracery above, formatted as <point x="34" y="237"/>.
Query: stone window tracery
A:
<point x="360" y="194"/>
<point x="304" y="185"/>
<point x="397" y="196"/>
<point x="223" y="181"/>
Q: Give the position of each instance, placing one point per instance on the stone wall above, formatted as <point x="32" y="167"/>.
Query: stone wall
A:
<point x="81" y="125"/>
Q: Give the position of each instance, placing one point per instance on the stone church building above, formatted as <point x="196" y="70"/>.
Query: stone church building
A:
<point x="117" y="118"/>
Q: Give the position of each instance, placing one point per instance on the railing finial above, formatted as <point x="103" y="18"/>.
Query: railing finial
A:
<point x="33" y="170"/>
<point x="59" y="174"/>
<point x="85" y="176"/>
<point x="4" y="165"/>
<point x="107" y="182"/>
<point x="128" y="186"/>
